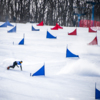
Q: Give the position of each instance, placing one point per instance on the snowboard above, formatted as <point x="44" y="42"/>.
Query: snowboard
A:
<point x="8" y="68"/>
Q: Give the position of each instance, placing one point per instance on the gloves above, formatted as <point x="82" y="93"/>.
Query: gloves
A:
<point x="21" y="68"/>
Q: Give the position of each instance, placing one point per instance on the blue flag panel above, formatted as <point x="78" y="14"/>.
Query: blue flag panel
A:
<point x="41" y="71"/>
<point x="33" y="29"/>
<point x="70" y="54"/>
<point x="21" y="42"/>
<point x="50" y="36"/>
<point x="97" y="94"/>
<point x="6" y="24"/>
<point x="12" y="30"/>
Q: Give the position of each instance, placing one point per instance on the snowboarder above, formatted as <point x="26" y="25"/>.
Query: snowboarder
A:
<point x="16" y="63"/>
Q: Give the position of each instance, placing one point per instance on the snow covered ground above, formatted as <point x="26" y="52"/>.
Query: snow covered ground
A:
<point x="65" y="78"/>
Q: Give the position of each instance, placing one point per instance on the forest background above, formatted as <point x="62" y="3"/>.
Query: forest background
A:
<point x="48" y="11"/>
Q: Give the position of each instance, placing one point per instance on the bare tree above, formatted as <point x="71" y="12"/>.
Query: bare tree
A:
<point x="49" y="11"/>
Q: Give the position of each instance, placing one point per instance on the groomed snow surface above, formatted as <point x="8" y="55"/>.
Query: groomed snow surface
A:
<point x="65" y="78"/>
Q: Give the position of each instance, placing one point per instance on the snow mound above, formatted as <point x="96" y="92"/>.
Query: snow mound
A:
<point x="81" y="67"/>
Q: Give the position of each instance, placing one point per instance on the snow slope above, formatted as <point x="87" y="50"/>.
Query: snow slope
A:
<point x="65" y="78"/>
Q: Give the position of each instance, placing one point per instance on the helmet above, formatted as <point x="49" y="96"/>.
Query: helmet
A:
<point x="21" y="61"/>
